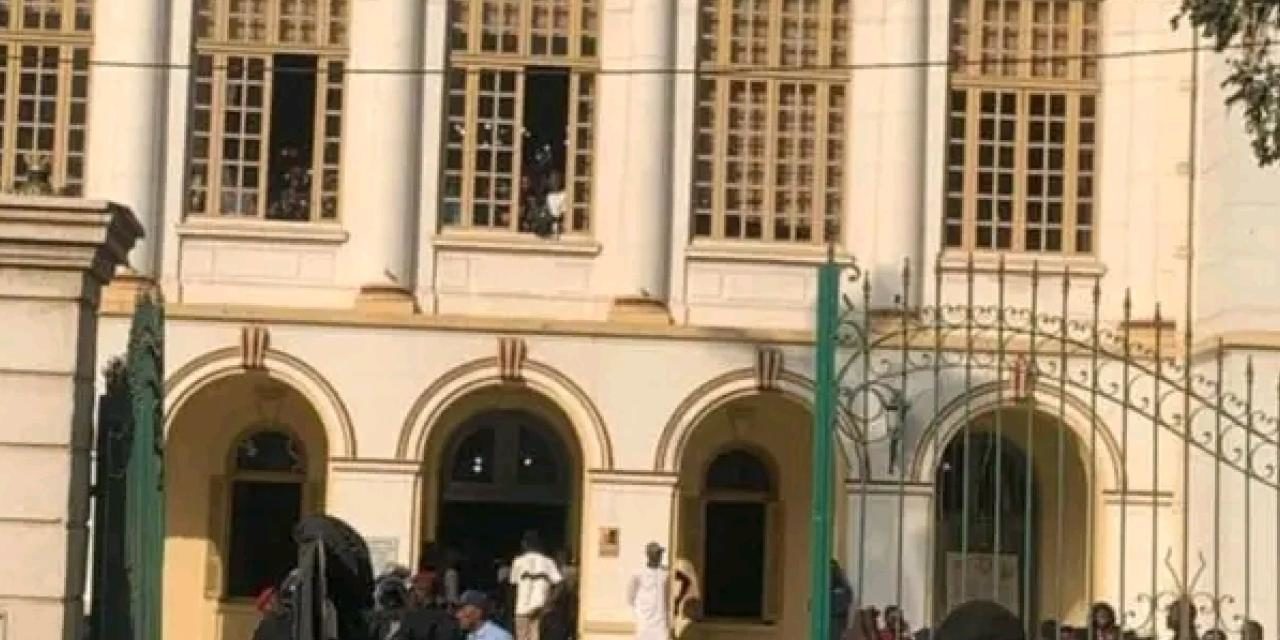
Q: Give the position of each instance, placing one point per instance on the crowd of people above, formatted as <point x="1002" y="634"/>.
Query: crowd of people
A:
<point x="1103" y="623"/>
<point x="332" y="595"/>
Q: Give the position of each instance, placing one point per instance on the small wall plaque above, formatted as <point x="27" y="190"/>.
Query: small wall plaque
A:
<point x="609" y="537"/>
<point x="383" y="552"/>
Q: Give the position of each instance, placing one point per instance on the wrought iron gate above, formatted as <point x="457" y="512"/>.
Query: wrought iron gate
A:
<point x="1026" y="439"/>
<point x="128" y="527"/>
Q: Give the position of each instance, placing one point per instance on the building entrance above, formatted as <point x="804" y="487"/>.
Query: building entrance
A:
<point x="505" y="473"/>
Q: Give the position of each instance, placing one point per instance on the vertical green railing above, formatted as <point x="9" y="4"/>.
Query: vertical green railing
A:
<point x="144" y="521"/>
<point x="823" y="438"/>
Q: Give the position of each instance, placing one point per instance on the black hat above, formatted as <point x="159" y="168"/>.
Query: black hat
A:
<point x="474" y="599"/>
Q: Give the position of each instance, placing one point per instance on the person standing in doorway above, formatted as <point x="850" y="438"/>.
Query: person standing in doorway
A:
<point x="473" y="618"/>
<point x="648" y="595"/>
<point x="537" y="580"/>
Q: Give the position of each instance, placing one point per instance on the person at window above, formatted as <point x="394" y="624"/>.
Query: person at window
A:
<point x="291" y="191"/>
<point x="841" y="601"/>
<point x="552" y="212"/>
<point x="648" y="596"/>
<point x="537" y="580"/>
<point x="473" y="618"/>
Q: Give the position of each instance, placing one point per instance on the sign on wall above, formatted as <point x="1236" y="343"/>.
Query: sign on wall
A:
<point x="609" y="542"/>
<point x="383" y="552"/>
<point x="977" y="576"/>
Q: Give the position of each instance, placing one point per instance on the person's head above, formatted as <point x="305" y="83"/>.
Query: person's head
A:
<point x="1181" y="617"/>
<point x="1102" y="616"/>
<point x="653" y="553"/>
<point x="893" y="618"/>
<point x="1066" y="632"/>
<point x="473" y="610"/>
<point x="1049" y="630"/>
<point x="423" y="590"/>
<point x="266" y="601"/>
<point x="391" y="594"/>
<point x="1252" y="630"/>
<point x="531" y="542"/>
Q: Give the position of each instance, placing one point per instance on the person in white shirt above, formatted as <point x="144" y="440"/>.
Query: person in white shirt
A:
<point x="648" y="595"/>
<point x="536" y="578"/>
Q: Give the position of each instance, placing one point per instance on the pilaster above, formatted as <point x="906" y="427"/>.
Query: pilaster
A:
<point x="380" y="152"/>
<point x="55" y="256"/>
<point x="627" y="510"/>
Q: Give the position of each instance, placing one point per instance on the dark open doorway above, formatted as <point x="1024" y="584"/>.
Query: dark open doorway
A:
<point x="504" y="473"/>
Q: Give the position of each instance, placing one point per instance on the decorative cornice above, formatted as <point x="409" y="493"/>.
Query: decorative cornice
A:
<point x="42" y="232"/>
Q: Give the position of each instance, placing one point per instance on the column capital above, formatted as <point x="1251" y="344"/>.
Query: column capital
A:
<point x="66" y="234"/>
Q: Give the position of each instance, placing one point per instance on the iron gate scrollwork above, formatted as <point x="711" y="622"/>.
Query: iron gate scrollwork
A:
<point x="128" y="526"/>
<point x="1037" y="443"/>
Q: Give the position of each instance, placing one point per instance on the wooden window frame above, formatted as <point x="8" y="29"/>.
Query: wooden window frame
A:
<point x="49" y="47"/>
<point x="744" y="178"/>
<point x="478" y="50"/>
<point x="218" y="47"/>
<point x="773" y="563"/>
<point x="223" y="492"/>
<point x="1026" y="60"/>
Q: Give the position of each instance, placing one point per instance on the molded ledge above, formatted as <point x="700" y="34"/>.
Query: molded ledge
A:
<point x="66" y="234"/>
<point x="385" y="299"/>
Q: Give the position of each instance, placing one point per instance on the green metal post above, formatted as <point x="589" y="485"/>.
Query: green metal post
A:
<point x="823" y="437"/>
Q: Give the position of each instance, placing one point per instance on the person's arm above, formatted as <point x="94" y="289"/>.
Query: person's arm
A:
<point x="633" y="585"/>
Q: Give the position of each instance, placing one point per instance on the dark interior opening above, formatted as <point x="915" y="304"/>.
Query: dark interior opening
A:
<point x="263" y="515"/>
<point x="546" y="128"/>
<point x="735" y="559"/>
<point x="293" y="108"/>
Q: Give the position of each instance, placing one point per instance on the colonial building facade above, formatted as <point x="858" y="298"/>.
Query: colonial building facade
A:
<point x="454" y="270"/>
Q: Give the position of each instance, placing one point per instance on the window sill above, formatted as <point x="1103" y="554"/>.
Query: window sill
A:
<point x="263" y="230"/>
<point x="761" y="252"/>
<point x="504" y="242"/>
<point x="1085" y="266"/>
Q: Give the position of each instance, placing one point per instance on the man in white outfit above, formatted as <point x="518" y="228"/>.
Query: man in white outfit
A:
<point x="649" y="594"/>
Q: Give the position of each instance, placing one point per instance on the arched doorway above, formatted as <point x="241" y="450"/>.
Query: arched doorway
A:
<point x="245" y="460"/>
<point x="742" y="522"/>
<point x="502" y="473"/>
<point x="1012" y="517"/>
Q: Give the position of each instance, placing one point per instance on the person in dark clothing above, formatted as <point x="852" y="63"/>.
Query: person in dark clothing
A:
<point x="392" y="602"/>
<point x="841" y="601"/>
<point x="277" y="612"/>
<point x="981" y="620"/>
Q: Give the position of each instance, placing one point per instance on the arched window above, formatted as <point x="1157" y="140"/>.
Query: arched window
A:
<point x="268" y="480"/>
<point x="769" y="147"/>
<point x="1022" y="126"/>
<point x="740" y="517"/>
<point x="506" y="457"/>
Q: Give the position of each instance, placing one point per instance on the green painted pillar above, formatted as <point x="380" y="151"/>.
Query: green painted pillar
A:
<point x="823" y="438"/>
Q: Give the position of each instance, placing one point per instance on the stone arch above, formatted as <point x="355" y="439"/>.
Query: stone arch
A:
<point x="584" y="418"/>
<point x="287" y="369"/>
<point x="982" y="399"/>
<point x="736" y="385"/>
